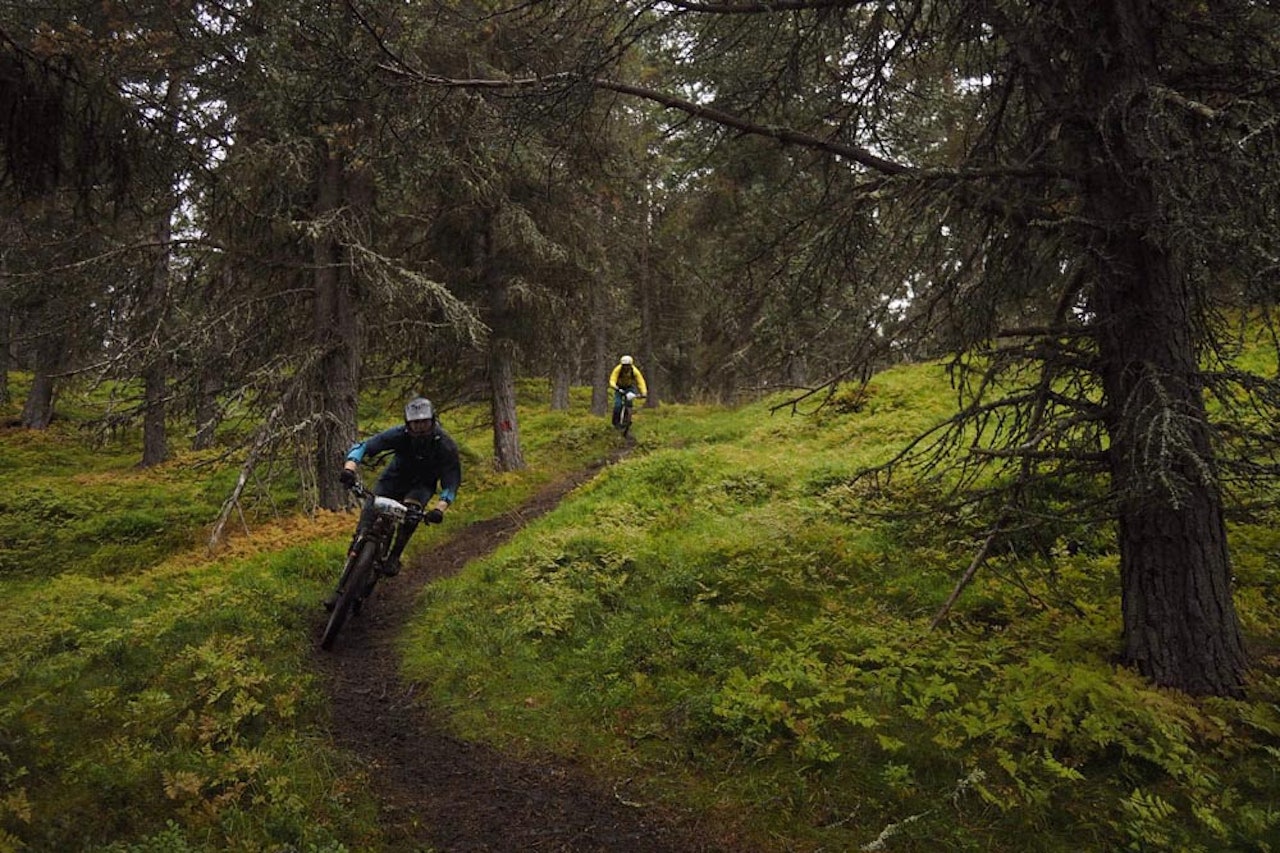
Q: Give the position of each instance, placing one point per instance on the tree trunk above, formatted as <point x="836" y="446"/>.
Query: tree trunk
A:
<point x="507" y="455"/>
<point x="506" y="426"/>
<point x="6" y="341"/>
<point x="601" y="363"/>
<point x="1180" y="626"/>
<point x="208" y="413"/>
<point x="561" y="382"/>
<point x="37" y="411"/>
<point x="155" y="437"/>
<point x="648" y="323"/>
<point x="335" y="330"/>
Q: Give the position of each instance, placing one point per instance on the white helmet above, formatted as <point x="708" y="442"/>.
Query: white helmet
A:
<point x="419" y="409"/>
<point x="626" y="359"/>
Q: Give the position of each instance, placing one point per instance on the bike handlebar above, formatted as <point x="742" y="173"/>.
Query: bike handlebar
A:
<point x="395" y="508"/>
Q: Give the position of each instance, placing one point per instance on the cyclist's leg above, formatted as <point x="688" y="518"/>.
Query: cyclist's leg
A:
<point x="617" y="407"/>
<point x="416" y="498"/>
<point x="387" y="485"/>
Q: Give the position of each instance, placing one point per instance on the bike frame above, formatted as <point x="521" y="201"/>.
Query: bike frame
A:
<point x="365" y="558"/>
<point x="625" y="419"/>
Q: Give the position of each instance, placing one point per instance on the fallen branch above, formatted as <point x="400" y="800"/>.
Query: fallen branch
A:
<point x="260" y="442"/>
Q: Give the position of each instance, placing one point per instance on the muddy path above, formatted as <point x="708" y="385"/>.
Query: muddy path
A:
<point x="440" y="793"/>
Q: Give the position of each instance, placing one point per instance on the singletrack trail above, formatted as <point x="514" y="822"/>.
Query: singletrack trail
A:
<point x="440" y="793"/>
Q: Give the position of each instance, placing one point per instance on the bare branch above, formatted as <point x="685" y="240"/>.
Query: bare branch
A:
<point x="766" y="6"/>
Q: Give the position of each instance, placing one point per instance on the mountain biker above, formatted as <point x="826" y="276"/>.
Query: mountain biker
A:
<point x="424" y="458"/>
<point x="625" y="379"/>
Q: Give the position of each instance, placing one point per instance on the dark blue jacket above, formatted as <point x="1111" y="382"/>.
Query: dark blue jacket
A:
<point x="426" y="461"/>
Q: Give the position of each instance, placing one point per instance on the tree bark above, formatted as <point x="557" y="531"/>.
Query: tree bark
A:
<point x="6" y="339"/>
<point x="1180" y="625"/>
<point x="207" y="412"/>
<point x="601" y="363"/>
<point x="37" y="411"/>
<point x="561" y="381"/>
<point x="155" y="437"/>
<point x="507" y="455"/>
<point x="335" y="330"/>
<point x="648" y="322"/>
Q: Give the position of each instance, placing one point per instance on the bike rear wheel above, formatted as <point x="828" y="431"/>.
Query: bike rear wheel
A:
<point x="362" y="573"/>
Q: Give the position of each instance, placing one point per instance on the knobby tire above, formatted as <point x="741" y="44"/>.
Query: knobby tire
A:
<point x="361" y="571"/>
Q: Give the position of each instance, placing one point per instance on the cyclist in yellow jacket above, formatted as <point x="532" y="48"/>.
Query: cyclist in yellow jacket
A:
<point x="625" y="379"/>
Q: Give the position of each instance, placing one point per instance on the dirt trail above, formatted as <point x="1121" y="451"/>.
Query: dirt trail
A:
<point x="440" y="793"/>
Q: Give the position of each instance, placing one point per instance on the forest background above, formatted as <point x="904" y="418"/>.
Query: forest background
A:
<point x="248" y="216"/>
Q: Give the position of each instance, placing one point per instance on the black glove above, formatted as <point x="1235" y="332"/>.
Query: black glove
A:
<point x="435" y="516"/>
<point x="347" y="478"/>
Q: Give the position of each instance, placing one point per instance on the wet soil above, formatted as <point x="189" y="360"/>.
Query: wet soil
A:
<point x="440" y="793"/>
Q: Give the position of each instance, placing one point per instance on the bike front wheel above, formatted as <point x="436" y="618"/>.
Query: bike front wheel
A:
<point x="362" y="572"/>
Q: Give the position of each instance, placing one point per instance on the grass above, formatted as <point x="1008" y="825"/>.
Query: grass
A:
<point x="724" y="620"/>
<point x="159" y="696"/>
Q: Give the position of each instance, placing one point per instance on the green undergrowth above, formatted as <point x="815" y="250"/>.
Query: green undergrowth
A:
<point x="729" y="621"/>
<point x="723" y="620"/>
<point x="154" y="696"/>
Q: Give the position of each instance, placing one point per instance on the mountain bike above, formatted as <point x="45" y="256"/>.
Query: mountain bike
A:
<point x="366" y="559"/>
<point x="624" y="420"/>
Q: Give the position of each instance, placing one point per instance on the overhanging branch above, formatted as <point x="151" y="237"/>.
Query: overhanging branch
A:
<point x="784" y="135"/>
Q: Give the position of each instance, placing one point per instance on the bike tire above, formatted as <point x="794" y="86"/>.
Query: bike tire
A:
<point x="361" y="573"/>
<point x="626" y="421"/>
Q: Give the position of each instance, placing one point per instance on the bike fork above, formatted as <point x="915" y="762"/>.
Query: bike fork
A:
<point x="352" y="550"/>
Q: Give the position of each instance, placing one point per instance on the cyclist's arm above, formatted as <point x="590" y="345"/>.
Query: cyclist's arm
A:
<point x="613" y="377"/>
<point x="372" y="446"/>
<point x="450" y="478"/>
<point x="644" y="390"/>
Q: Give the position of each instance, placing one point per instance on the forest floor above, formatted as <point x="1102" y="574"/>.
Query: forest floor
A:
<point x="441" y="793"/>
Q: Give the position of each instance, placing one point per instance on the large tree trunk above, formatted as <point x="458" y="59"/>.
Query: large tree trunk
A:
<point x="601" y="362"/>
<point x="37" y="411"/>
<point x="648" y="306"/>
<point x="155" y="436"/>
<point x="6" y="325"/>
<point x="335" y="331"/>
<point x="208" y="414"/>
<point x="1180" y="626"/>
<point x="213" y="367"/>
<point x="507" y="455"/>
<point x="561" y="382"/>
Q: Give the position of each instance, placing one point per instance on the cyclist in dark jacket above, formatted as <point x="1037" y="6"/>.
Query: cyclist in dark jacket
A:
<point x="424" y="460"/>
